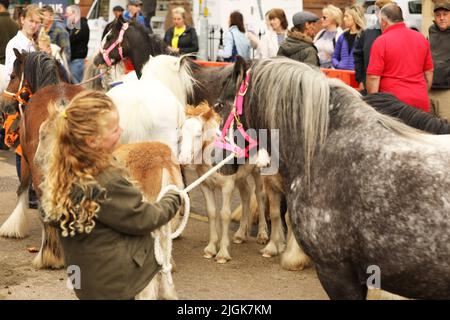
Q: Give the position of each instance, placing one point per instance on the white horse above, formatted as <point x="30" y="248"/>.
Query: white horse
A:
<point x="149" y="110"/>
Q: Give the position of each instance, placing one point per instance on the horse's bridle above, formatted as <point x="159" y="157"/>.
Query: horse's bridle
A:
<point x="18" y="96"/>
<point x="117" y="43"/>
<point x="234" y="117"/>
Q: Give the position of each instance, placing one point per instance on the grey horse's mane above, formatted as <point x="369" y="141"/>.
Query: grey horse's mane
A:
<point x="296" y="97"/>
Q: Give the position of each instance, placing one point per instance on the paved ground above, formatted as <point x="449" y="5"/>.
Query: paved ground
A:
<point x="247" y="276"/>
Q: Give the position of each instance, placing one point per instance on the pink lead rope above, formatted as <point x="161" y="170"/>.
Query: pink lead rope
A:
<point x="235" y="114"/>
<point x="116" y="43"/>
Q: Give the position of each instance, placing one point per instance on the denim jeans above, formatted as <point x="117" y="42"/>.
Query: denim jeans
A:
<point x="77" y="70"/>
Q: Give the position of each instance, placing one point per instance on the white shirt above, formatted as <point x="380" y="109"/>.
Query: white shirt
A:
<point x="20" y="42"/>
<point x="268" y="46"/>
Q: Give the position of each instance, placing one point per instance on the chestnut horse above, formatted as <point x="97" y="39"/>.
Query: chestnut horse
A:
<point x="40" y="76"/>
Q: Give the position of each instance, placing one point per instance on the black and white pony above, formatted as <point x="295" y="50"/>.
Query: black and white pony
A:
<point x="138" y="46"/>
<point x="364" y="191"/>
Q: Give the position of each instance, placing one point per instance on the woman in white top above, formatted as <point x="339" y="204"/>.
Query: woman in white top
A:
<point x="275" y="35"/>
<point x="325" y="40"/>
<point x="30" y="19"/>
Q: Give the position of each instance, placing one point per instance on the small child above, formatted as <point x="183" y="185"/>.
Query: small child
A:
<point x="104" y="221"/>
<point x="45" y="45"/>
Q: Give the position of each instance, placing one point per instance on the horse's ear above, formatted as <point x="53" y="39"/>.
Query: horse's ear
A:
<point x="240" y="66"/>
<point x="18" y="54"/>
<point x="184" y="59"/>
<point x="121" y="20"/>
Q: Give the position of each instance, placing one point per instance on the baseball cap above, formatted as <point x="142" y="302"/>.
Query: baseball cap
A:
<point x="135" y="2"/>
<point x="442" y="5"/>
<point x="304" y="16"/>
<point x="118" y="8"/>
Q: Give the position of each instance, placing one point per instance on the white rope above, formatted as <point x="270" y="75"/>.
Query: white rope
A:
<point x="163" y="258"/>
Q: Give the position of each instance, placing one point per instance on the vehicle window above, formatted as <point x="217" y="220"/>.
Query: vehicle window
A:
<point x="415" y="7"/>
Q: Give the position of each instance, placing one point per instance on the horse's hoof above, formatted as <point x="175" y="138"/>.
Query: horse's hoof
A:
<point x="208" y="255"/>
<point x="262" y="239"/>
<point x="294" y="263"/>
<point x="222" y="260"/>
<point x="223" y="257"/>
<point x="269" y="251"/>
<point x="238" y="240"/>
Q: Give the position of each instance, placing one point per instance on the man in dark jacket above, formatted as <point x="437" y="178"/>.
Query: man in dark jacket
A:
<point x="439" y="35"/>
<point x="298" y="44"/>
<point x="118" y="12"/>
<point x="8" y="28"/>
<point x="78" y="29"/>
<point x="361" y="54"/>
<point x="56" y="30"/>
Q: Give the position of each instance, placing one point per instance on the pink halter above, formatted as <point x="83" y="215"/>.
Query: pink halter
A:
<point x="235" y="114"/>
<point x="116" y="43"/>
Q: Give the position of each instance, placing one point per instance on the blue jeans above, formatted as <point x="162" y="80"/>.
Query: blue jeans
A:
<point x="77" y="70"/>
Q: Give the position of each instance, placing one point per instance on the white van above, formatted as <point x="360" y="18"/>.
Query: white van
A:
<point x="412" y="12"/>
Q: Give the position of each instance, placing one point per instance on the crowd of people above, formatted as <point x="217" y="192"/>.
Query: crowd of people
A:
<point x="387" y="57"/>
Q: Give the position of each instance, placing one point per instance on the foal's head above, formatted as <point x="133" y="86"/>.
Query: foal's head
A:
<point x="198" y="133"/>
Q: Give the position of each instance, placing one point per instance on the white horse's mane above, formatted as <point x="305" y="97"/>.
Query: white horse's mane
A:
<point x="173" y="72"/>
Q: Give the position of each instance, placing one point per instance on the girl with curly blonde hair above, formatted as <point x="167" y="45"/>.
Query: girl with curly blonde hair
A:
<point x="105" y="224"/>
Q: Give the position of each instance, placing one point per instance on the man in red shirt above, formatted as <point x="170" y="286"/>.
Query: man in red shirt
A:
<point x="400" y="61"/>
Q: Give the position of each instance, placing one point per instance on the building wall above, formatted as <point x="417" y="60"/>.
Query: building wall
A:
<point x="317" y="5"/>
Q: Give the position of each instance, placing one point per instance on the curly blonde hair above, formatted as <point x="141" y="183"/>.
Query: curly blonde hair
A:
<point x="71" y="193"/>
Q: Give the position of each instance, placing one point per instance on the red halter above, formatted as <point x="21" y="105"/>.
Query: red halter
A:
<point x="116" y="43"/>
<point x="235" y="114"/>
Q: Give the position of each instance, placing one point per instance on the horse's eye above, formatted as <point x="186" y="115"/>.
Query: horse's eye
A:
<point x="12" y="77"/>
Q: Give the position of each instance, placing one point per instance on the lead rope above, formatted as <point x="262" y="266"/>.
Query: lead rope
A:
<point x="163" y="256"/>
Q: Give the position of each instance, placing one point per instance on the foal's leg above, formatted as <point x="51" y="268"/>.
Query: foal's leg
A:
<point x="211" y="249"/>
<point x="277" y="242"/>
<point x="227" y="191"/>
<point x="293" y="258"/>
<point x="245" y="193"/>
<point x="262" y="237"/>
<point x="17" y="226"/>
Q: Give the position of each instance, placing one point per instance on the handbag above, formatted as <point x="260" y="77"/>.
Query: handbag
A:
<point x="234" y="52"/>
